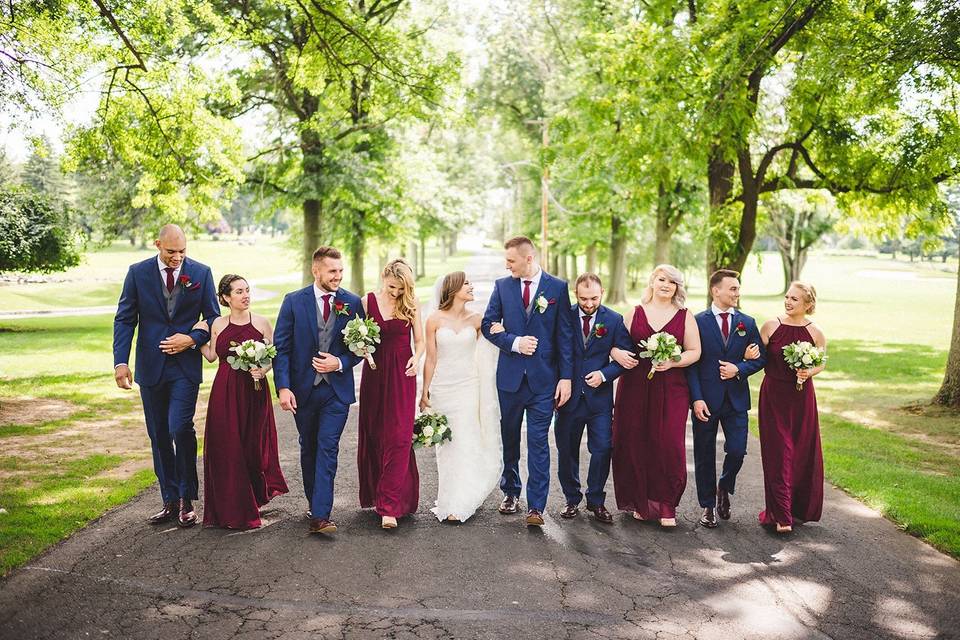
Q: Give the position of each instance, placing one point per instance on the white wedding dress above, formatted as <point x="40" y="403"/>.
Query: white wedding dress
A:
<point x="464" y="389"/>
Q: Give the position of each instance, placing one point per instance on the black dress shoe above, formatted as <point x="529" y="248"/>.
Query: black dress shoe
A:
<point x="723" y="504"/>
<point x="709" y="518"/>
<point x="509" y="504"/>
<point x="600" y="513"/>
<point x="168" y="512"/>
<point x="570" y="511"/>
<point x="534" y="518"/>
<point x="187" y="516"/>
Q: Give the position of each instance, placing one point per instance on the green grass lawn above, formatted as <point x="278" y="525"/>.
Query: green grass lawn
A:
<point x="72" y="444"/>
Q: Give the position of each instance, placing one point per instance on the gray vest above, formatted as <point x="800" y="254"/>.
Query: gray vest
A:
<point x="170" y="296"/>
<point x="324" y="334"/>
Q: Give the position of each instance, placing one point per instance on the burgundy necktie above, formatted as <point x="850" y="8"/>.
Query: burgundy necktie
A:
<point x="586" y="326"/>
<point x="726" y="324"/>
<point x="169" y="271"/>
<point x="326" y="307"/>
<point x="526" y="293"/>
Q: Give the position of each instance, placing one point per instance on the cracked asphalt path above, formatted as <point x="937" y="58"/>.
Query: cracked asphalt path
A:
<point x="852" y="576"/>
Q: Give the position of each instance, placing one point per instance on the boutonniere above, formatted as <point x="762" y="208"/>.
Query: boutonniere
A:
<point x="599" y="330"/>
<point x="741" y="329"/>
<point x="341" y="308"/>
<point x="187" y="283"/>
<point x="543" y="303"/>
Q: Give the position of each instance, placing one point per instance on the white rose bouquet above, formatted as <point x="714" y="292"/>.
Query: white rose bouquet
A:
<point x="660" y="347"/>
<point x="360" y="336"/>
<point x="803" y="355"/>
<point x="251" y="354"/>
<point x="430" y="429"/>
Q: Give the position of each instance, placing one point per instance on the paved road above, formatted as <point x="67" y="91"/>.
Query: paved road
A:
<point x="852" y="576"/>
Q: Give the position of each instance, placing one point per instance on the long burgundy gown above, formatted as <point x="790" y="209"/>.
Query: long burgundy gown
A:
<point x="241" y="466"/>
<point x="789" y="437"/>
<point x="389" y="480"/>
<point x="649" y="428"/>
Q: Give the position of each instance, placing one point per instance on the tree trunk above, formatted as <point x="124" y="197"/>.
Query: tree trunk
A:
<point x="592" y="257"/>
<point x="617" y="293"/>
<point x="443" y="248"/>
<point x="311" y="236"/>
<point x="554" y="267"/>
<point x="572" y="271"/>
<point x="422" y="263"/>
<point x="414" y="259"/>
<point x="452" y="242"/>
<point x="668" y="219"/>
<point x="358" y="247"/>
<point x="949" y="394"/>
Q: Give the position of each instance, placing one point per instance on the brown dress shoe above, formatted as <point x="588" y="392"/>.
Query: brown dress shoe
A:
<point x="187" y="516"/>
<point x="168" y="512"/>
<point x="570" y="511"/>
<point x="600" y="513"/>
<point x="534" y="518"/>
<point x="322" y="525"/>
<point x="509" y="504"/>
<point x="723" y="504"/>
<point x="709" y="518"/>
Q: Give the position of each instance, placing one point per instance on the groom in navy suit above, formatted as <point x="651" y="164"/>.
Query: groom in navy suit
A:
<point x="313" y="372"/>
<point x="533" y="372"/>
<point x="164" y="296"/>
<point x="597" y="329"/>
<point x="720" y="393"/>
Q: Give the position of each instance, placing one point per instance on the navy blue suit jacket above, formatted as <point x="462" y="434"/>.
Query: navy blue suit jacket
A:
<point x="296" y="337"/>
<point x="595" y="356"/>
<point x="703" y="376"/>
<point x="553" y="358"/>
<point x="142" y="304"/>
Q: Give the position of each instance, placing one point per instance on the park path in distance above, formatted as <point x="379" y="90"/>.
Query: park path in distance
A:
<point x="852" y="576"/>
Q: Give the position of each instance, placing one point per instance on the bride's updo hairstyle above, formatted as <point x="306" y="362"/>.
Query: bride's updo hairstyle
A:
<point x="452" y="282"/>
<point x="406" y="305"/>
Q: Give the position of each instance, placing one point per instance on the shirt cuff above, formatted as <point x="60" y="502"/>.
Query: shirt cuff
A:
<point x="339" y="362"/>
<point x="515" y="347"/>
<point x="122" y="364"/>
<point x="602" y="377"/>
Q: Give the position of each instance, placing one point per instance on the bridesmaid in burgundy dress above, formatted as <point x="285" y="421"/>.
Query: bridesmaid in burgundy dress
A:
<point x="789" y="424"/>
<point x="650" y="415"/>
<point x="389" y="480"/>
<point x="241" y="467"/>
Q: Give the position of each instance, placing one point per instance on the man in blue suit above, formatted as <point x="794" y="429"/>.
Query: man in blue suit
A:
<point x="164" y="296"/>
<point x="720" y="393"/>
<point x="313" y="372"/>
<point x="597" y="330"/>
<point x="533" y="372"/>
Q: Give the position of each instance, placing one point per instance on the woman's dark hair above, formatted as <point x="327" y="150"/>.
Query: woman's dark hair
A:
<point x="452" y="282"/>
<point x="225" y="286"/>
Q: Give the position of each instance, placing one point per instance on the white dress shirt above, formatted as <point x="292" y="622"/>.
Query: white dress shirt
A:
<point x="163" y="271"/>
<point x="716" y="316"/>
<point x="534" y="285"/>
<point x="318" y="294"/>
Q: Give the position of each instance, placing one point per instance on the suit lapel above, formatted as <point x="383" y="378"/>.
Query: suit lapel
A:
<point x="513" y="302"/>
<point x="541" y="287"/>
<point x="593" y="332"/>
<point x="310" y="308"/>
<point x="578" y="323"/>
<point x="715" y="328"/>
<point x="155" y="284"/>
<point x="734" y="315"/>
<point x="184" y="271"/>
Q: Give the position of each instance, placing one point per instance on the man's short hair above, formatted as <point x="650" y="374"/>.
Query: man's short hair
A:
<point x="586" y="278"/>
<point x="717" y="276"/>
<point x="520" y="241"/>
<point x="326" y="252"/>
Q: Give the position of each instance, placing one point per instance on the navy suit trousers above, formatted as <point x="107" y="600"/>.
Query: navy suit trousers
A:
<point x="734" y="424"/>
<point x="568" y="434"/>
<point x="539" y="410"/>
<point x="320" y="421"/>
<point x="168" y="408"/>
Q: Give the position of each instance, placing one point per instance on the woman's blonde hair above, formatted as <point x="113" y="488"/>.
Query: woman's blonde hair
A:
<point x="673" y="275"/>
<point x="452" y="282"/>
<point x="406" y="305"/>
<point x="809" y="294"/>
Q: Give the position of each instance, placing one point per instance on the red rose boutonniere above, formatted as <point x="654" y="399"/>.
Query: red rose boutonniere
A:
<point x="341" y="308"/>
<point x="599" y="330"/>
<point x="188" y="284"/>
<point x="741" y="329"/>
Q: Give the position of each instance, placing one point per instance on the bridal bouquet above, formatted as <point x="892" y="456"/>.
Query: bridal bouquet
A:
<point x="803" y="355"/>
<point x="431" y="429"/>
<point x="360" y="335"/>
<point x="659" y="347"/>
<point x="251" y="354"/>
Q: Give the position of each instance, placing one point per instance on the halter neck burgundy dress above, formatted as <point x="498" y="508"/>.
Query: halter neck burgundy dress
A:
<point x="389" y="480"/>
<point x="789" y="437"/>
<point x="241" y="466"/>
<point x="649" y="427"/>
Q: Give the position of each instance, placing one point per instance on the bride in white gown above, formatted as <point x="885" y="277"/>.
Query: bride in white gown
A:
<point x="459" y="381"/>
